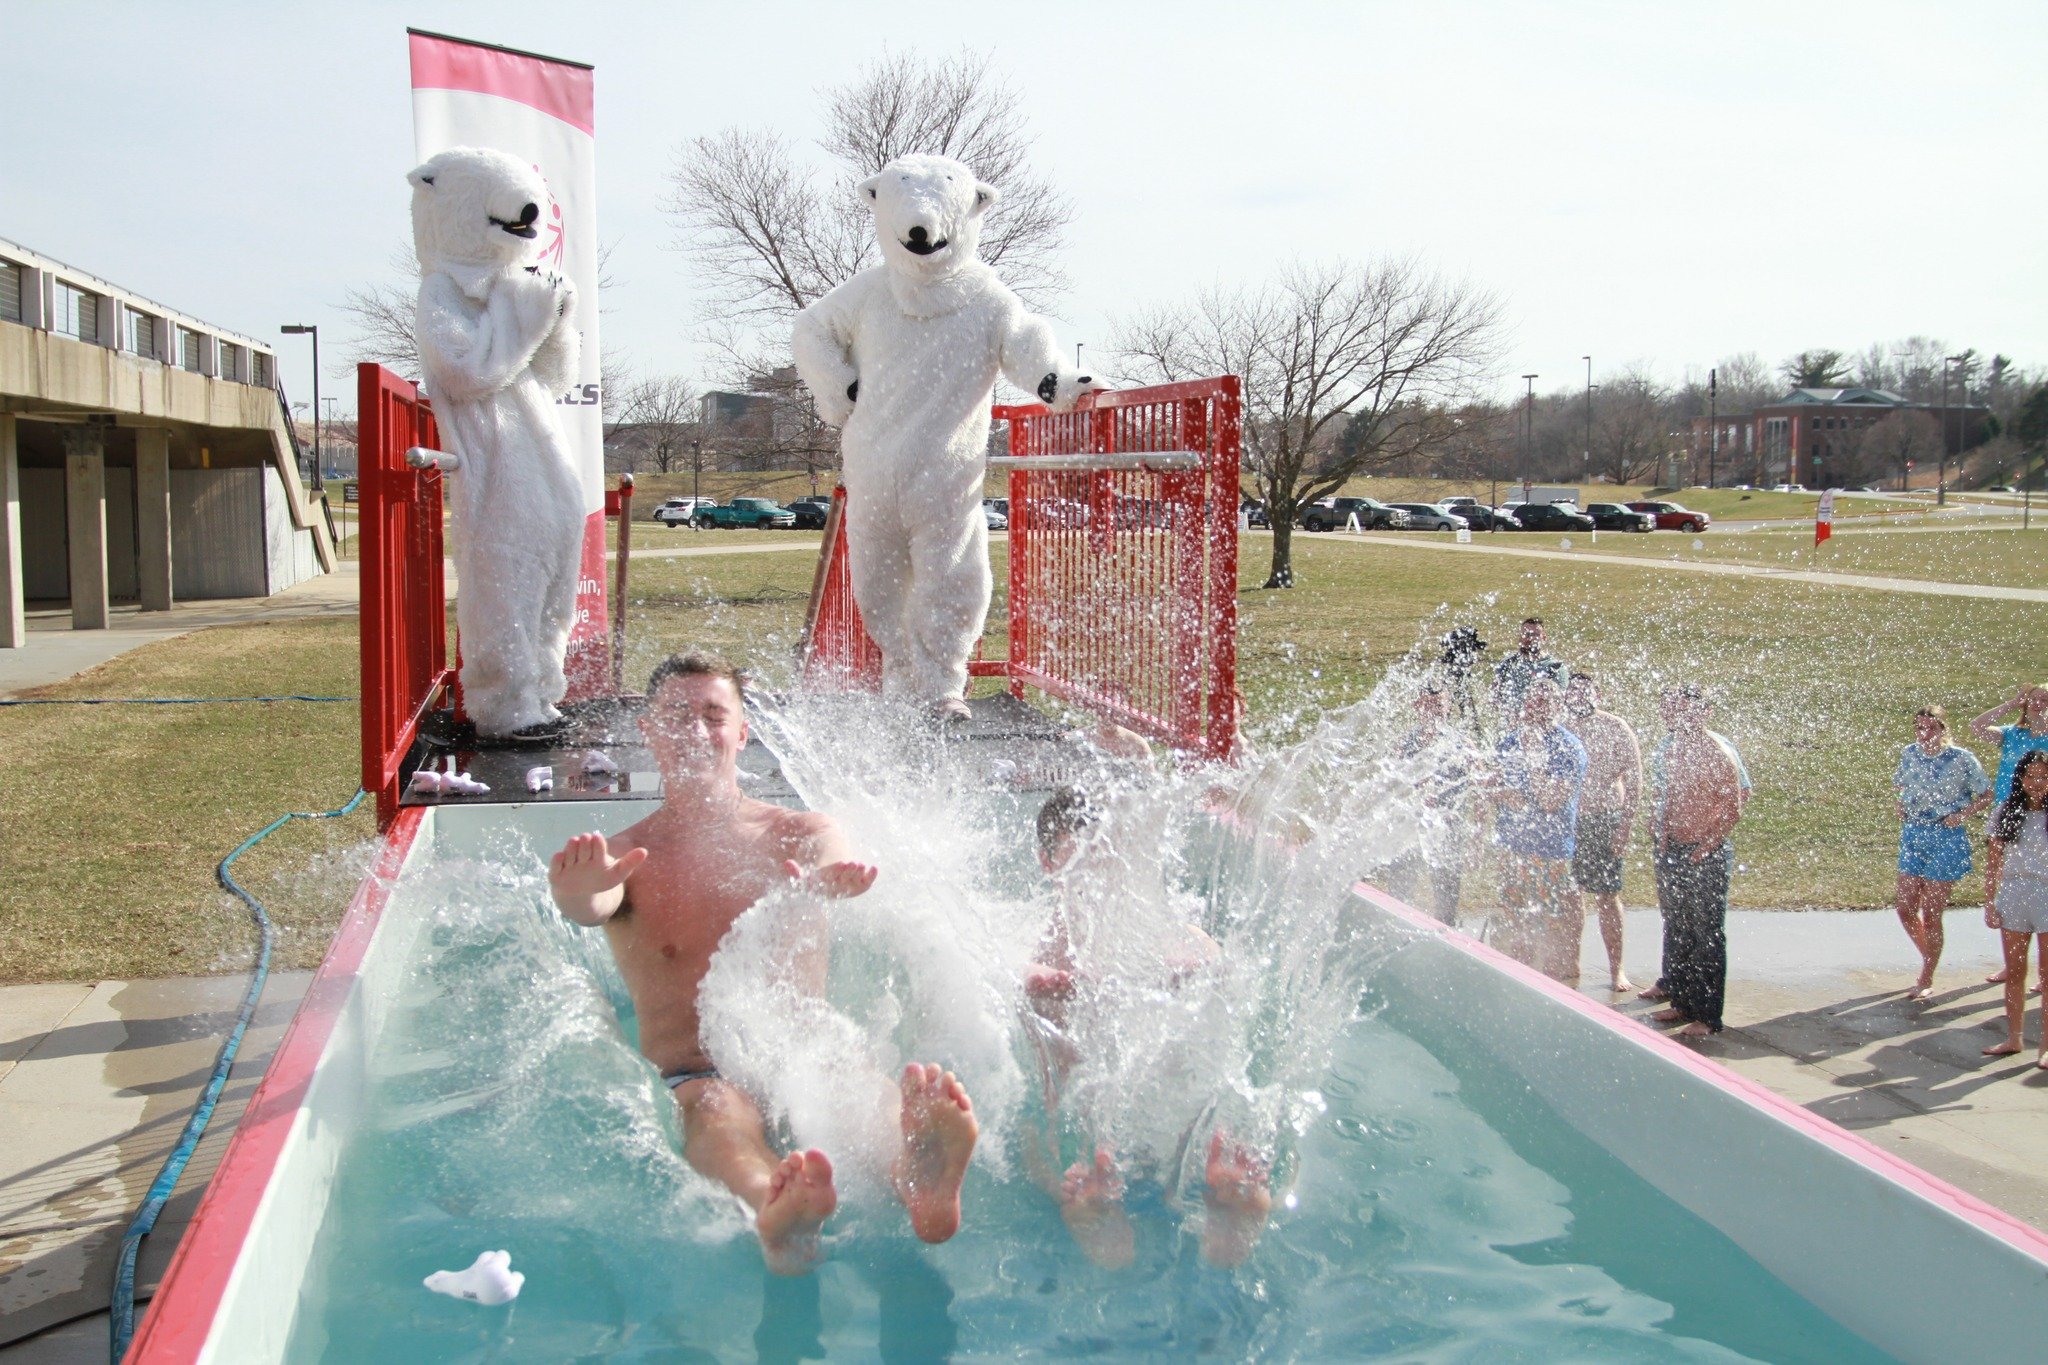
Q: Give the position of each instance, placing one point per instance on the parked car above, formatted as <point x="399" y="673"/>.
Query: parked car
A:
<point x="1456" y="506"/>
<point x="1000" y="506"/>
<point x="1612" y="516"/>
<point x="810" y="512"/>
<point x="997" y="521"/>
<point x="1787" y="488"/>
<point x="1550" y="516"/>
<point x="759" y="513"/>
<point x="1480" y="517"/>
<point x="1671" y="517"/>
<point x="1255" y="513"/>
<point x="681" y="511"/>
<point x="1427" y="516"/>
<point x="1334" y="514"/>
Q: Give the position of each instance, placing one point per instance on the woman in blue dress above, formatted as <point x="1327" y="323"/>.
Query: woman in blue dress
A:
<point x="1938" y="785"/>
<point x="2016" y="891"/>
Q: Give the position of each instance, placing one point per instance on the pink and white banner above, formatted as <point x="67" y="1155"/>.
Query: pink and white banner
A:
<point x="540" y="109"/>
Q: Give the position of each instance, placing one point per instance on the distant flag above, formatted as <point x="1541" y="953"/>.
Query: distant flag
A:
<point x="1824" y="518"/>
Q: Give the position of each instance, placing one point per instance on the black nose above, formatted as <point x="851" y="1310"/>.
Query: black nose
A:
<point x="528" y="214"/>
<point x="918" y="234"/>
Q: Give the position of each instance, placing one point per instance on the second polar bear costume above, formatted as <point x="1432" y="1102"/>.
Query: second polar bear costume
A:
<point x="497" y="346"/>
<point x="904" y="358"/>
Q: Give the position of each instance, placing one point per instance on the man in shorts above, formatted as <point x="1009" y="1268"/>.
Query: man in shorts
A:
<point x="1607" y="811"/>
<point x="667" y="889"/>
<point x="1538" y="772"/>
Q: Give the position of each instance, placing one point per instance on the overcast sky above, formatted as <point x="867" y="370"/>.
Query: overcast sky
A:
<point x="1660" y="183"/>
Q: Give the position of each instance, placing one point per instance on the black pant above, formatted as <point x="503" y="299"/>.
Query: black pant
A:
<point x="1693" y="897"/>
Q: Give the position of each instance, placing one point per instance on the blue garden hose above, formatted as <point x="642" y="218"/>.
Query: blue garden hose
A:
<point x="122" y="1309"/>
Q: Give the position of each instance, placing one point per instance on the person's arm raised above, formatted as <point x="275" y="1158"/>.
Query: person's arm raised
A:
<point x="1983" y="728"/>
<point x="587" y="882"/>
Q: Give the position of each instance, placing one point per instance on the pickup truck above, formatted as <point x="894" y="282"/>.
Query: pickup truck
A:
<point x="759" y="513"/>
<point x="1334" y="514"/>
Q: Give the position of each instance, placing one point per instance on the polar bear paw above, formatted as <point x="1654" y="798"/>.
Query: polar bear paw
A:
<point x="1060" y="391"/>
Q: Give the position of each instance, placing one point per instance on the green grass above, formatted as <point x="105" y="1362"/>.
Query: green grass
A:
<point x="116" y="816"/>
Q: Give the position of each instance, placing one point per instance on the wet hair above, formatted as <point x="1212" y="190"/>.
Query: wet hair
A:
<point x="1933" y="712"/>
<point x="697" y="665"/>
<point x="1581" y="676"/>
<point x="2005" y="826"/>
<point x="1532" y="620"/>
<point x="1066" y="812"/>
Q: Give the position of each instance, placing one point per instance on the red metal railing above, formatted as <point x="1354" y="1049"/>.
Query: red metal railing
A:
<point x="404" y="596"/>
<point x="1123" y="565"/>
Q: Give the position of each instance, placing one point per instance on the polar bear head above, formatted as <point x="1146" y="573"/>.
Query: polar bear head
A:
<point x="927" y="214"/>
<point x="473" y="206"/>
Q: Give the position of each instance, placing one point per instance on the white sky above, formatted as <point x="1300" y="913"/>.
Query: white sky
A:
<point x="1648" y="182"/>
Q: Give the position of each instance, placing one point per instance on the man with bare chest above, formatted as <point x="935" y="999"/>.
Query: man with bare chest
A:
<point x="1698" y="788"/>
<point x="1607" y="810"/>
<point x="666" y="891"/>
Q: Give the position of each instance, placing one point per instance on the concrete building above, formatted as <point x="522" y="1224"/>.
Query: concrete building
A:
<point x="145" y="456"/>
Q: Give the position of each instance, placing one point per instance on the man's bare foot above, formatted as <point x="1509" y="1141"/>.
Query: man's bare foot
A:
<point x="1920" y="993"/>
<point x="1671" y="1016"/>
<point x="2005" y="1049"/>
<point x="1239" y="1196"/>
<point x="2041" y="1060"/>
<point x="1653" y="993"/>
<point x="1092" y="1206"/>
<point x="1621" y="985"/>
<point x="800" y="1198"/>
<point x="939" y="1132"/>
<point x="1694" y="1030"/>
<point x="1997" y="978"/>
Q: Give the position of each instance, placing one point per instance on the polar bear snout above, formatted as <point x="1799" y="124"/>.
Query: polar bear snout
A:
<point x="523" y="226"/>
<point x="920" y="242"/>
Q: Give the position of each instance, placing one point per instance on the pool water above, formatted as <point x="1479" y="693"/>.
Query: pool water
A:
<point x="1433" y="1210"/>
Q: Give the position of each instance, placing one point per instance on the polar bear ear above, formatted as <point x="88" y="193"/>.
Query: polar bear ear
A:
<point x="867" y="187"/>
<point x="985" y="196"/>
<point x="421" y="176"/>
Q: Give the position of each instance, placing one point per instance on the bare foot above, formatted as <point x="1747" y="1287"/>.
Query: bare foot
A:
<point x="2041" y="1060"/>
<point x="1694" y="1030"/>
<point x="1653" y="993"/>
<point x="1673" y="1016"/>
<point x="1239" y="1196"/>
<point x="2005" y="1049"/>
<point x="1920" y="993"/>
<point x="800" y="1198"/>
<point x="1092" y="1205"/>
<point x="939" y="1131"/>
<point x="1621" y="984"/>
<point x="1997" y="978"/>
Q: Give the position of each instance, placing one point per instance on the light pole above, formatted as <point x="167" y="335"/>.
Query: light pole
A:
<point x="306" y="329"/>
<point x="1589" y="417"/>
<point x="1077" y="355"/>
<point x="696" y="474"/>
<point x="1528" y="431"/>
<point x="1713" y="421"/>
<point x="1941" y="478"/>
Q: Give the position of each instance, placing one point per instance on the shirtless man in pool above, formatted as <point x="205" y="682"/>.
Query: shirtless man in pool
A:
<point x="667" y="889"/>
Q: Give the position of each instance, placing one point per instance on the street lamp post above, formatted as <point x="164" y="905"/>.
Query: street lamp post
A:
<point x="1589" y="417"/>
<point x="307" y="329"/>
<point x="1528" y="431"/>
<point x="696" y="473"/>
<point x="1713" y="421"/>
<point x="1941" y="478"/>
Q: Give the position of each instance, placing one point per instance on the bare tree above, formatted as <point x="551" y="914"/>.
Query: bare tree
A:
<point x="1346" y="368"/>
<point x="660" y="418"/>
<point x="1888" y="446"/>
<point x="771" y="232"/>
<point x="1631" y="426"/>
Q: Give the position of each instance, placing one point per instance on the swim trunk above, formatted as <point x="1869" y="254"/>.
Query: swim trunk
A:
<point x="1596" y="867"/>
<point x="1930" y="849"/>
<point x="688" y="1074"/>
<point x="1536" y="923"/>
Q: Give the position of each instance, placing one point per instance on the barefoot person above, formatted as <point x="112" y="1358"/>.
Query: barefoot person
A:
<point x="2028" y="734"/>
<point x="666" y="891"/>
<point x="1438" y="761"/>
<point x="1538" y="772"/>
<point x="1697" y="786"/>
<point x="1607" y="811"/>
<point x="1078" y="968"/>
<point x="1938" y="786"/>
<point x="2016" y="892"/>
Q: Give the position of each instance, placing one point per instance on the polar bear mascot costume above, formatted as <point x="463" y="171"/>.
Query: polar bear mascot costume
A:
<point x="496" y="347"/>
<point x="903" y="358"/>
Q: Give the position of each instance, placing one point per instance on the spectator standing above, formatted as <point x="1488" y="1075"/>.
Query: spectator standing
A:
<point x="1439" y="760"/>
<point x="1539" y="769"/>
<point x="2016" y="892"/>
<point x="1512" y="675"/>
<point x="1607" y="812"/>
<point x="1697" y="791"/>
<point x="1938" y="785"/>
<point x="2014" y="742"/>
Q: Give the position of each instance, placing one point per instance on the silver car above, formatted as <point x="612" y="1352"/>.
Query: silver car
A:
<point x="1424" y="516"/>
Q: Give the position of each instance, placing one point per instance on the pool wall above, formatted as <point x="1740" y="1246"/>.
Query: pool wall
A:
<point x="1862" y="1234"/>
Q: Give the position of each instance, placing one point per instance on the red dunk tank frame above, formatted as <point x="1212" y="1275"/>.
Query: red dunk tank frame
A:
<point x="1123" y="565"/>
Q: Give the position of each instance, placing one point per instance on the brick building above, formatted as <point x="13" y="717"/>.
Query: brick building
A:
<point x="1802" y="437"/>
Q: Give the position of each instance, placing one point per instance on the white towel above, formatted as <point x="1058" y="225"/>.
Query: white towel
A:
<point x="490" y="1281"/>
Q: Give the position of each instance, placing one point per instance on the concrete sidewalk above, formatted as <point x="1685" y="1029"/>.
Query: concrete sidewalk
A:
<point x="54" y="651"/>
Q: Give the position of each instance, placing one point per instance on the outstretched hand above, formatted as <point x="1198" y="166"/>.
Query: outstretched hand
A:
<point x="834" y="881"/>
<point x="585" y="867"/>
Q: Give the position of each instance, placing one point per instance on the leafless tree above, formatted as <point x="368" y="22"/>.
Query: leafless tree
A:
<point x="1346" y="368"/>
<point x="1886" y="448"/>
<point x="771" y="231"/>
<point x="660" y="419"/>
<point x="1632" y="423"/>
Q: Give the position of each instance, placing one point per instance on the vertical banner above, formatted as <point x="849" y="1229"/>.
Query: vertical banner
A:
<point x="1824" y="518"/>
<point x="540" y="109"/>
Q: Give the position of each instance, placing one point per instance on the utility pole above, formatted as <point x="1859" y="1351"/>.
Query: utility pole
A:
<point x="1528" y="431"/>
<point x="1589" y="417"/>
<point x="1941" y="479"/>
<point x="1713" y="421"/>
<point x="307" y="329"/>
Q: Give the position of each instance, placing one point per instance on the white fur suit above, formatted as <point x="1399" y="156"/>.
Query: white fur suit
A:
<point x="904" y="358"/>
<point x="496" y="349"/>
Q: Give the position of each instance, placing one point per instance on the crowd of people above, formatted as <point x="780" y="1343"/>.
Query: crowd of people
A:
<point x="1561" y="784"/>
